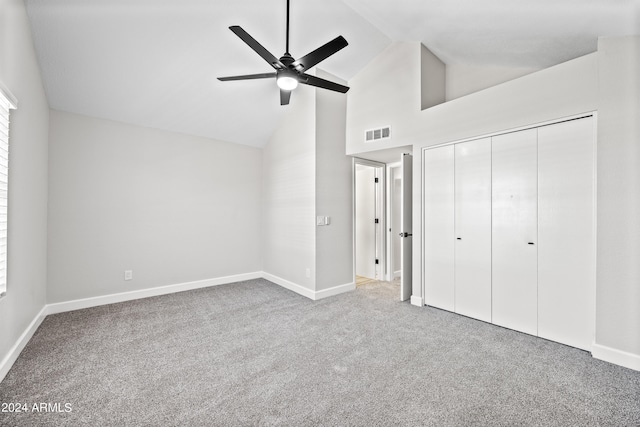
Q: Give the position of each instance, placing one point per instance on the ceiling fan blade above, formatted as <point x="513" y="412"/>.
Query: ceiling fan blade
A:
<point x="247" y="77"/>
<point x="321" y="53"/>
<point x="285" y="95"/>
<point x="257" y="47"/>
<point x="322" y="83"/>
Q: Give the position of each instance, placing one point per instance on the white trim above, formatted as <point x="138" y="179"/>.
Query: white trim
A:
<point x="594" y="284"/>
<point x="78" y="304"/>
<point x="415" y="300"/>
<point x="615" y="356"/>
<point x="336" y="290"/>
<point x="17" y="348"/>
<point x="512" y="130"/>
<point x="306" y="292"/>
<point x="301" y="290"/>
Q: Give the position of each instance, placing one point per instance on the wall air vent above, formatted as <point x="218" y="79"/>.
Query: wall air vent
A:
<point x="377" y="134"/>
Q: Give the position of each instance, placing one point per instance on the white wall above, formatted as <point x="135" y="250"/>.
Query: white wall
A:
<point x="334" y="191"/>
<point x="173" y="208"/>
<point x="27" y="239"/>
<point x="563" y="90"/>
<point x="289" y="179"/>
<point x="465" y="79"/>
<point x="618" y="254"/>
<point x="385" y="94"/>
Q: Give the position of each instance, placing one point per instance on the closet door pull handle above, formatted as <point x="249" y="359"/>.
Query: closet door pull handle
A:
<point x="531" y="243"/>
<point x="459" y="238"/>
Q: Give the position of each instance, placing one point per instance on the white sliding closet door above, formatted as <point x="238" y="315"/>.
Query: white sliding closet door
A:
<point x="473" y="229"/>
<point x="514" y="231"/>
<point x="566" y="279"/>
<point x="439" y="227"/>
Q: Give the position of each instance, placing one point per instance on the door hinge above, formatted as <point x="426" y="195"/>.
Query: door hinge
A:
<point x="377" y="261"/>
<point x="376" y="180"/>
<point x="377" y="221"/>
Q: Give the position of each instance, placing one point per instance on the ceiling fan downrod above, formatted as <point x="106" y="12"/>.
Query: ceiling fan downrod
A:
<point x="286" y="51"/>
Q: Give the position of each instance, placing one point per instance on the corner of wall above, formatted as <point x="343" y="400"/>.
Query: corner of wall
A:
<point x="618" y="201"/>
<point x="288" y="189"/>
<point x="334" y="243"/>
<point x="432" y="79"/>
<point x="21" y="308"/>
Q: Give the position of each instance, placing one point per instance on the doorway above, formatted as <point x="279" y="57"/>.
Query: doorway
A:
<point x="382" y="222"/>
<point x="369" y="221"/>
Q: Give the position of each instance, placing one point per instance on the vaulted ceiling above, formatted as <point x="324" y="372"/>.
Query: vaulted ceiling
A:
<point x="154" y="63"/>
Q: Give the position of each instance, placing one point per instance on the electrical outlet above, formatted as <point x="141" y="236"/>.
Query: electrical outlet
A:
<point x="128" y="275"/>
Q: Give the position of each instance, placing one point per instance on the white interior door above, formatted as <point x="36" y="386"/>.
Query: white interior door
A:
<point x="514" y="231"/>
<point x="365" y="214"/>
<point x="407" y="229"/>
<point x="566" y="276"/>
<point x="473" y="229"/>
<point x="438" y="229"/>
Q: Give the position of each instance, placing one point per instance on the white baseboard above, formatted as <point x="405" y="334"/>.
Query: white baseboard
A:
<point x="416" y="301"/>
<point x="289" y="285"/>
<point x="78" y="304"/>
<point x="305" y="292"/>
<point x="17" y="348"/>
<point x="615" y="356"/>
<point x="340" y="289"/>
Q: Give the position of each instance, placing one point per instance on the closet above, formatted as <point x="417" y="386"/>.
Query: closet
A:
<point x="509" y="230"/>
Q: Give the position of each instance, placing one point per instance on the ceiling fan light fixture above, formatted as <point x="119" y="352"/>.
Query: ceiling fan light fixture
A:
<point x="286" y="81"/>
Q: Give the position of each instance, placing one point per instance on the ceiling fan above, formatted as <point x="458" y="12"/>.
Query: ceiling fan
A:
<point x="289" y="72"/>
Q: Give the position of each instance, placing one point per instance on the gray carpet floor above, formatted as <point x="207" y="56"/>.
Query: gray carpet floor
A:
<point x="253" y="353"/>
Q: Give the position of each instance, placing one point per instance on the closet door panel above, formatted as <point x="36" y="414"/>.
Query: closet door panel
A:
<point x="473" y="229"/>
<point x="566" y="275"/>
<point x="514" y="231"/>
<point x="439" y="227"/>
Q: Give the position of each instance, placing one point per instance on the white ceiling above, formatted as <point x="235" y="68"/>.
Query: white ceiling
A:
<point x="154" y="63"/>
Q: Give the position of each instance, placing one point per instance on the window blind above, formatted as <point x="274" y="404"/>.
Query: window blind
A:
<point x="5" y="105"/>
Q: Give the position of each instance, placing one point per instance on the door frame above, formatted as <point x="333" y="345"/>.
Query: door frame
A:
<point x="381" y="193"/>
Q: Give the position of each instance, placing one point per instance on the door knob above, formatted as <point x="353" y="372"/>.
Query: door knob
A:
<point x="405" y="234"/>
